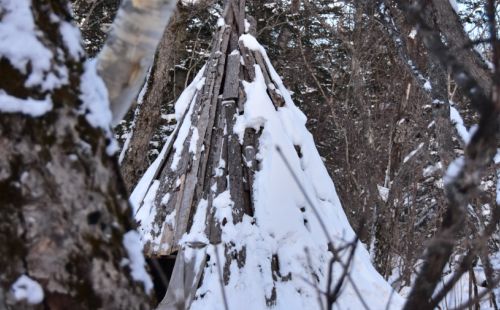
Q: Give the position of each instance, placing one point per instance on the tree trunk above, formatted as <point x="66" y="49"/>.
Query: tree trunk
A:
<point x="157" y="94"/>
<point x="65" y="236"/>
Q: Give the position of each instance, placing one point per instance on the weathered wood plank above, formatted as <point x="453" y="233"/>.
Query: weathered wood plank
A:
<point x="249" y="60"/>
<point x="276" y="98"/>
<point x="241" y="17"/>
<point x="205" y="123"/>
<point x="185" y="278"/>
<point x="232" y="81"/>
<point x="234" y="164"/>
<point x="180" y="183"/>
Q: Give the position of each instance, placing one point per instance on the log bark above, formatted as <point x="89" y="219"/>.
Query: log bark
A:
<point x="448" y="22"/>
<point x="156" y="95"/>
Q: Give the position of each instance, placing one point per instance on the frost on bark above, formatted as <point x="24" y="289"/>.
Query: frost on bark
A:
<point x="64" y="209"/>
<point x="222" y="199"/>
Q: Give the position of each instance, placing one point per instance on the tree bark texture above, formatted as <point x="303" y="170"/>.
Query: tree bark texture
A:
<point x="157" y="95"/>
<point x="464" y="177"/>
<point x="63" y="207"/>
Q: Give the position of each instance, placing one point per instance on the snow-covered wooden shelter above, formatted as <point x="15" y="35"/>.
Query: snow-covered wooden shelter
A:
<point x="240" y="194"/>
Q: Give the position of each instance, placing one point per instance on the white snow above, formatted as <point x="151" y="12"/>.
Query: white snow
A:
<point x="457" y="120"/>
<point x="197" y="232"/>
<point x="184" y="130"/>
<point x="32" y="107"/>
<point x="146" y="214"/>
<point x="284" y="223"/>
<point x="95" y="103"/>
<point x="454" y="5"/>
<point x="187" y="95"/>
<point x="126" y="144"/>
<point x="137" y="263"/>
<point x="220" y="22"/>
<point x="142" y="187"/>
<point x="72" y="39"/>
<point x="412" y="153"/>
<point x="427" y="85"/>
<point x="293" y="219"/>
<point x="431" y="169"/>
<point x="144" y="89"/>
<point x="383" y="192"/>
<point x="193" y="144"/>
<point x="460" y="292"/>
<point x="247" y="26"/>
<point x="453" y="170"/>
<point x="21" y="44"/>
<point x="185" y="101"/>
<point x="413" y="33"/>
<point x="223" y="205"/>
<point x="28" y="290"/>
<point x="94" y="97"/>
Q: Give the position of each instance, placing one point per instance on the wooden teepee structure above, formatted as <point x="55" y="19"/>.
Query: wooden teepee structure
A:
<point x="252" y="227"/>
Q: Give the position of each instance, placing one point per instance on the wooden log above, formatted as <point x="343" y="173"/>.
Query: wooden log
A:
<point x="241" y="17"/>
<point x="185" y="278"/>
<point x="217" y="177"/>
<point x="180" y="182"/>
<point x="249" y="61"/>
<point x="234" y="164"/>
<point x="276" y="98"/>
<point x="232" y="82"/>
<point x="205" y="124"/>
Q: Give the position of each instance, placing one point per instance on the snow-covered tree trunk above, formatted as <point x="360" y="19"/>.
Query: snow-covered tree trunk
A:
<point x="241" y="196"/>
<point x="66" y="234"/>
